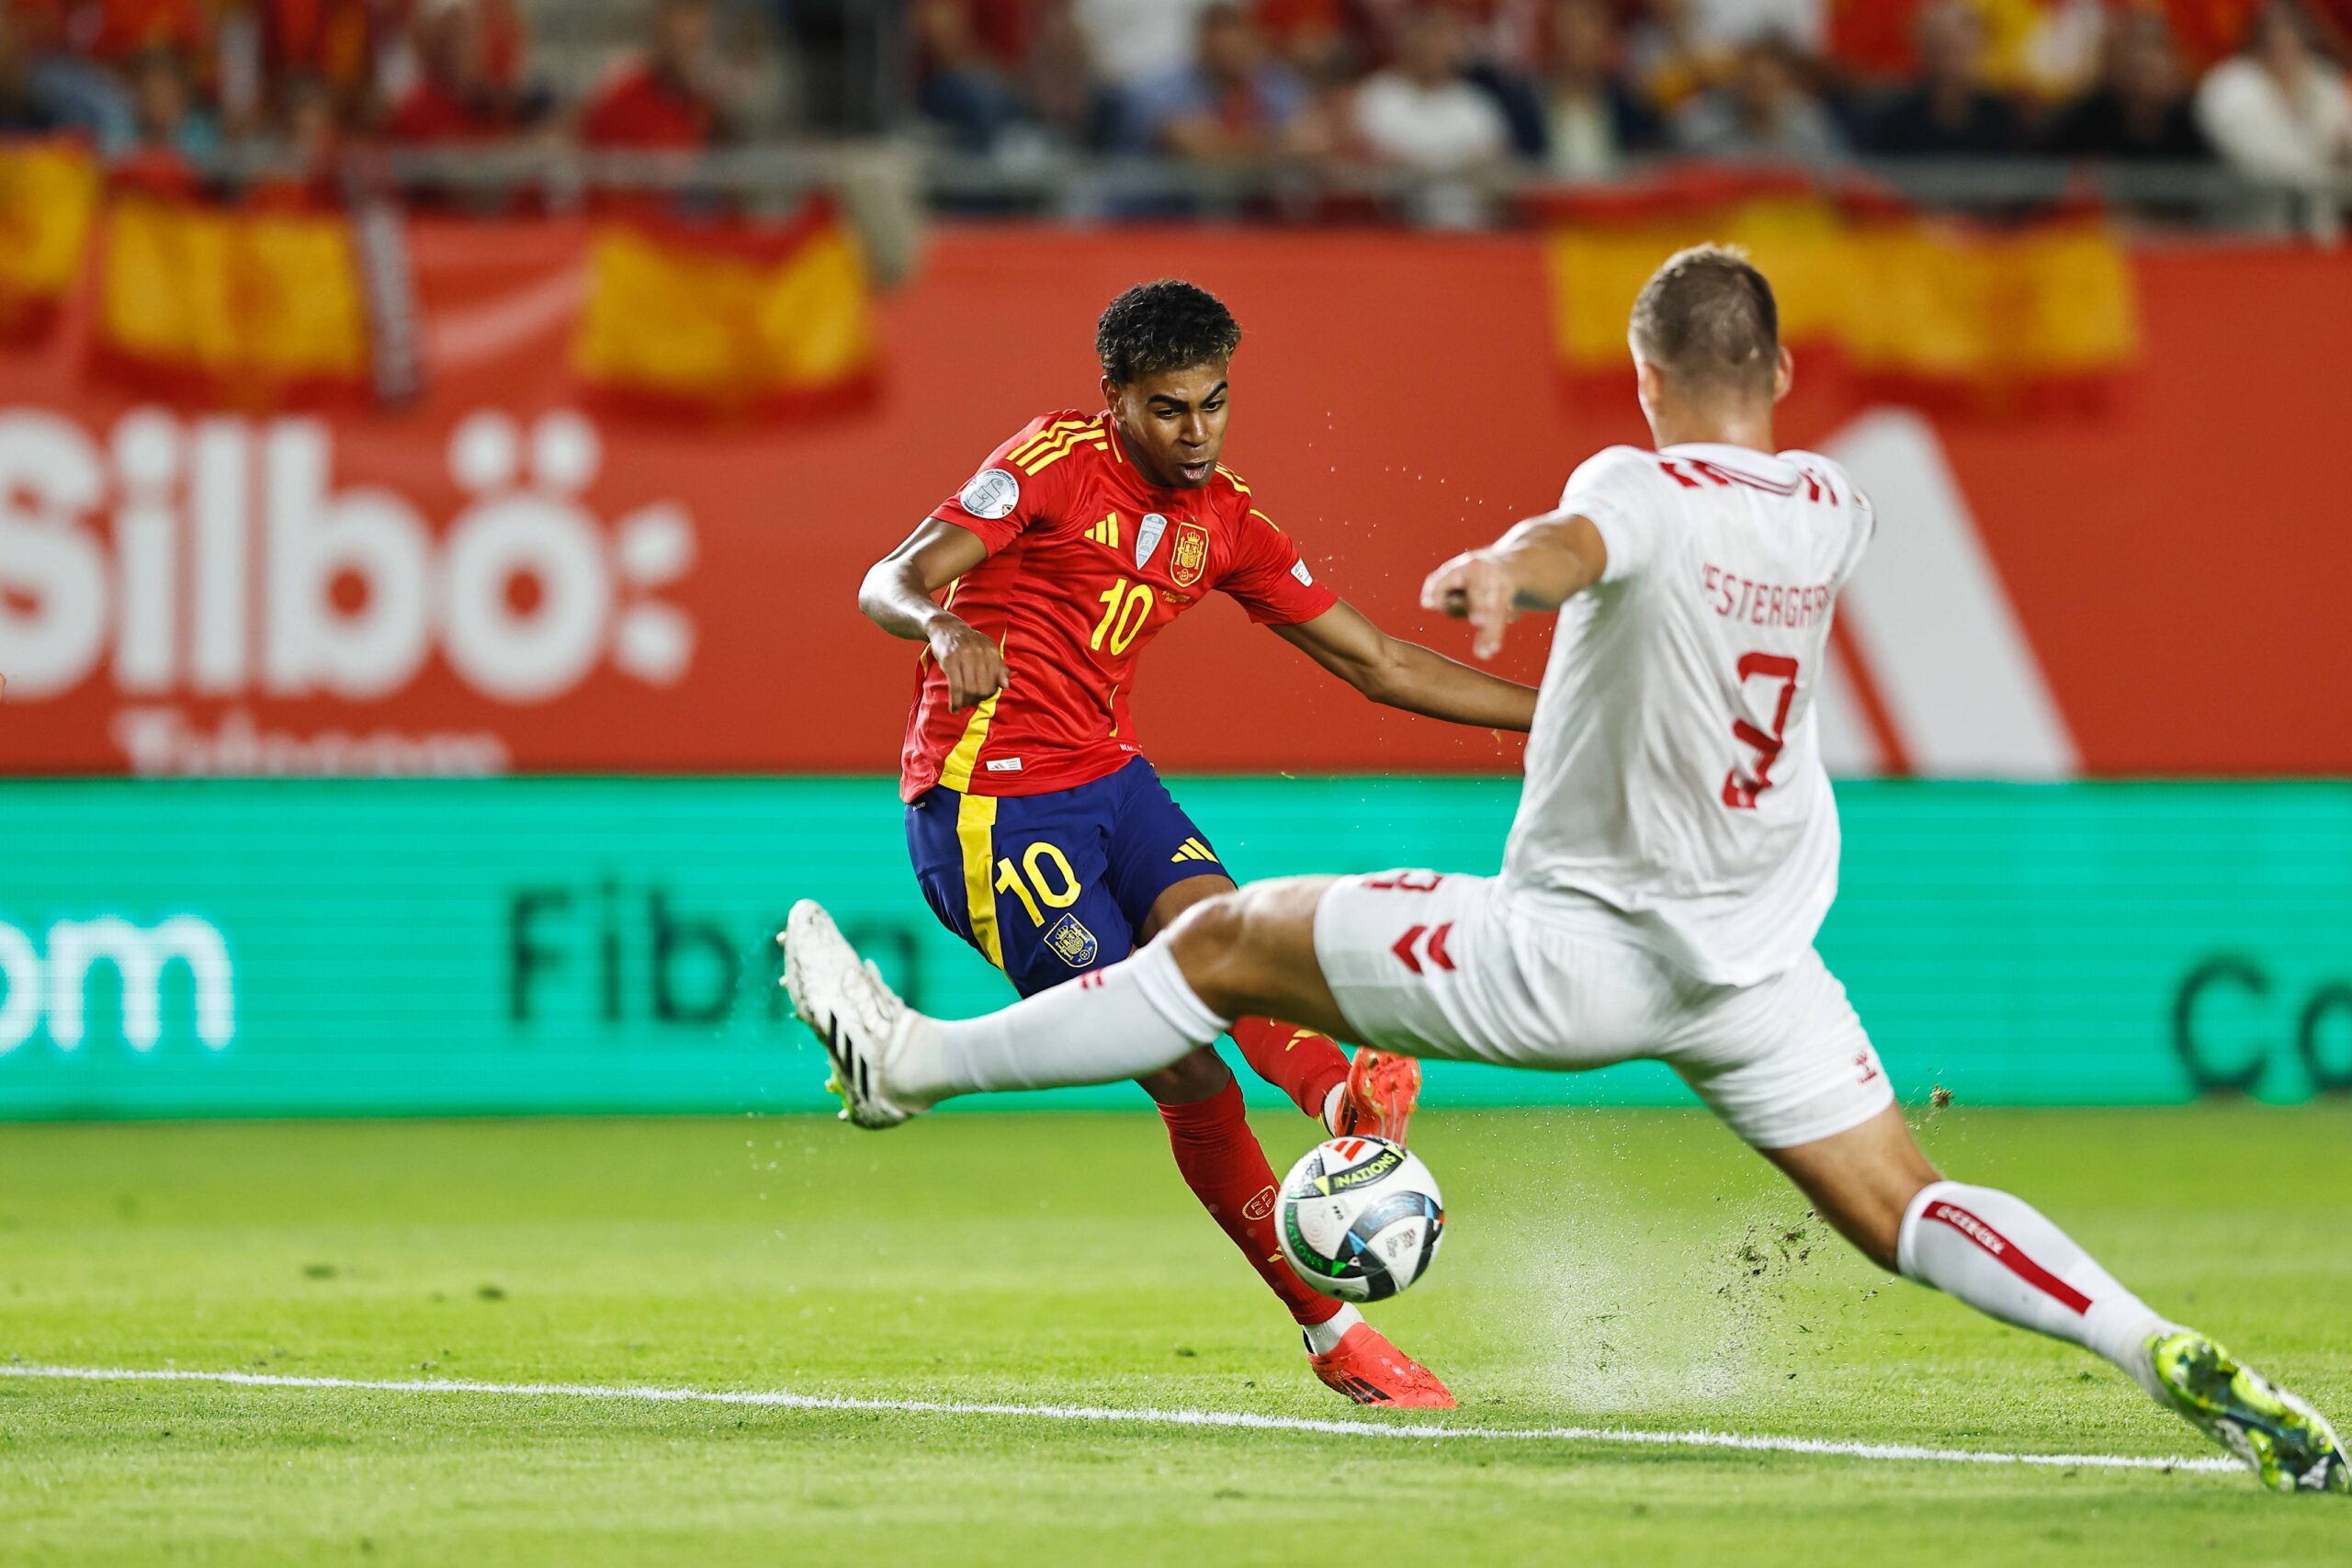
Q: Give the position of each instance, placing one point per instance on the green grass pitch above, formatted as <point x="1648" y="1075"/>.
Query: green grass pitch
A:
<point x="1600" y="1269"/>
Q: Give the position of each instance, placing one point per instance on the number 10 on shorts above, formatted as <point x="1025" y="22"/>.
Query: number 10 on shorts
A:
<point x="1049" y="878"/>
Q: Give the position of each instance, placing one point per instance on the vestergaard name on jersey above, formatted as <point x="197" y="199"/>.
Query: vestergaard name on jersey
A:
<point x="1794" y="606"/>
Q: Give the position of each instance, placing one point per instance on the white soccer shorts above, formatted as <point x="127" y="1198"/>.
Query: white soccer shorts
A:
<point x="1443" y="965"/>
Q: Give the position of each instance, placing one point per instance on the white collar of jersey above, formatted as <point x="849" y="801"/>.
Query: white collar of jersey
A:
<point x="1738" y="459"/>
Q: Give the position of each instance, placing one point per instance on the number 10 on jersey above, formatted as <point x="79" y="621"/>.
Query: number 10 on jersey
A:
<point x="1126" y="605"/>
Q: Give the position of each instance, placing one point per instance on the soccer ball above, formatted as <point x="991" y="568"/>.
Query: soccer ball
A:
<point x="1360" y="1218"/>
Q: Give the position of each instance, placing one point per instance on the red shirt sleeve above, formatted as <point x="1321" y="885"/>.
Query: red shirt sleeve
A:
<point x="1269" y="577"/>
<point x="998" y="501"/>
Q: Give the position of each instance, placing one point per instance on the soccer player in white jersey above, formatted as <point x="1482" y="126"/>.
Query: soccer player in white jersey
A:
<point x="1675" y="851"/>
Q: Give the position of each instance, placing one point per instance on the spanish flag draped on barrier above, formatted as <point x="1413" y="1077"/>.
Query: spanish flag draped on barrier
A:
<point x="49" y="191"/>
<point x="729" y="320"/>
<point x="244" y="307"/>
<point x="258" y="307"/>
<point x="1930" y="309"/>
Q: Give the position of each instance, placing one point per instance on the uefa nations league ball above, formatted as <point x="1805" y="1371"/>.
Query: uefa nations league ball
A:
<point x="1360" y="1218"/>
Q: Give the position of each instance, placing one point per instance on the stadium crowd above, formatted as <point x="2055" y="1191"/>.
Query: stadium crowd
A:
<point x="1571" y="89"/>
<point x="1577" y="88"/>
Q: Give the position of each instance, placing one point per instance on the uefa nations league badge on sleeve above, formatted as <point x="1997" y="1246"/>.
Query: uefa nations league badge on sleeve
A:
<point x="991" y="494"/>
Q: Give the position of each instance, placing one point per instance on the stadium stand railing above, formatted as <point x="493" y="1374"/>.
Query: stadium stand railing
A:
<point x="1088" y="186"/>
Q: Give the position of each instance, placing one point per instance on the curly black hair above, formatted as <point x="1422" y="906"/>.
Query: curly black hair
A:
<point x="1167" y="325"/>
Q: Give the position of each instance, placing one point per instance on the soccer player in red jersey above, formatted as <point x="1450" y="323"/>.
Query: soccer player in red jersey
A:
<point x="1039" y="831"/>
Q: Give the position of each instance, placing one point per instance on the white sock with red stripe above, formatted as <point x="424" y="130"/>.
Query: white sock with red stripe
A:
<point x="2000" y="1254"/>
<point x="1136" y="1017"/>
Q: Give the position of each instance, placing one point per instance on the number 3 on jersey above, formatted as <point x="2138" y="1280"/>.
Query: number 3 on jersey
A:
<point x="1740" y="790"/>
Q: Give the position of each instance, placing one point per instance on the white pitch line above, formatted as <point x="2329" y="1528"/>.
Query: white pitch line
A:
<point x="1111" y="1416"/>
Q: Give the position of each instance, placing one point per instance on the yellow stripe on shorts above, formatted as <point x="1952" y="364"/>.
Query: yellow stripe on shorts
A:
<point x="976" y="831"/>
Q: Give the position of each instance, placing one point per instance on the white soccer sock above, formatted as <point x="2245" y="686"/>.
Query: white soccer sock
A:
<point x="1324" y="1338"/>
<point x="1136" y="1017"/>
<point x="2002" y="1257"/>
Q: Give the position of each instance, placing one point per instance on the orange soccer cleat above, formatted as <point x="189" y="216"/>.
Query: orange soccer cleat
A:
<point x="1367" y="1369"/>
<point x="1381" y="1092"/>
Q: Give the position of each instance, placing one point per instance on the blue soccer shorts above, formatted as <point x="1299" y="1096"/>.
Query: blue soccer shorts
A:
<point x="1048" y="886"/>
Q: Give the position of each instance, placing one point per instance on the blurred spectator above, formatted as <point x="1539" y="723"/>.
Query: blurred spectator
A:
<point x="1006" y="29"/>
<point x="1134" y="40"/>
<point x="1500" y="56"/>
<point x="1062" y="90"/>
<point x="1505" y="34"/>
<point x="2139" y="109"/>
<point x="1321" y="38"/>
<point x="1733" y="24"/>
<point x="1235" y="101"/>
<point x="1950" y="113"/>
<point x="174" y="142"/>
<point x="128" y="31"/>
<point x="2049" y="47"/>
<point x="1592" y="119"/>
<point x="2211" y="31"/>
<point x="1313" y="36"/>
<point x="664" y="101"/>
<point x="346" y="45"/>
<point x="460" y="93"/>
<point x="24" y="109"/>
<point x="959" y="84"/>
<point x="305" y="174"/>
<point x="1423" y="114"/>
<point x="2063" y="49"/>
<point x="850" y="53"/>
<point x="1763" y="112"/>
<point x="78" y="93"/>
<point x="1671" y="55"/>
<point x="2279" y="110"/>
<point x="1872" y="39"/>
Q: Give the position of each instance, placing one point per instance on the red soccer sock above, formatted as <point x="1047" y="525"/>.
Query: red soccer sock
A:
<point x="1227" y="1172"/>
<point x="1303" y="1063"/>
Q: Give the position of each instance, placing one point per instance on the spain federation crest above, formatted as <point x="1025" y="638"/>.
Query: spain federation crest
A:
<point x="1072" y="942"/>
<point x="1190" y="556"/>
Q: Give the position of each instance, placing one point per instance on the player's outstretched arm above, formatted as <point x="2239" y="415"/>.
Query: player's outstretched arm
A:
<point x="1407" y="675"/>
<point x="1540" y="565"/>
<point x="897" y="596"/>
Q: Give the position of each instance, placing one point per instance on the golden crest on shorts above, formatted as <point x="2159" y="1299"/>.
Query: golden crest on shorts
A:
<point x="1190" y="556"/>
<point x="1071" y="942"/>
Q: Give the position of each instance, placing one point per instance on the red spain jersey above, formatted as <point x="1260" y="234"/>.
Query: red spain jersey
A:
<point x="1087" y="561"/>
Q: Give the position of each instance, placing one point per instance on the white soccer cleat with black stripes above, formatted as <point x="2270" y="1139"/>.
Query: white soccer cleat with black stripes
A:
<point x="857" y="1019"/>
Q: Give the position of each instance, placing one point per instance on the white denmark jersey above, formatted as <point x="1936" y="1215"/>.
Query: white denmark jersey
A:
<point x="1674" y="773"/>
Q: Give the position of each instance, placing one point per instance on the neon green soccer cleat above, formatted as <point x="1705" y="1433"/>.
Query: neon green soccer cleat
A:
<point x="2288" y="1446"/>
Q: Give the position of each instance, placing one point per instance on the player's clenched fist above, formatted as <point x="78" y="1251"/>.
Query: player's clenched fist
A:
<point x="1478" y="587"/>
<point x="973" y="665"/>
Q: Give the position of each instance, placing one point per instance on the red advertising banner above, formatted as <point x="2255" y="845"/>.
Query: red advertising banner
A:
<point x="514" y="573"/>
